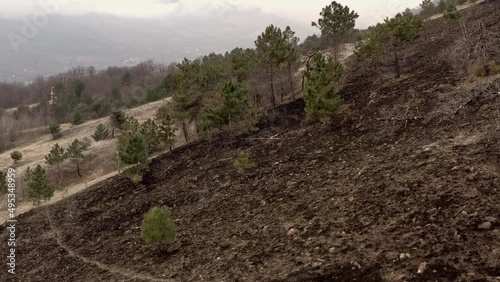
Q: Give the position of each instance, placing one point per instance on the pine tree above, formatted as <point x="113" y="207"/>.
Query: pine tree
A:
<point x="149" y="129"/>
<point x="336" y="23"/>
<point x="167" y="130"/>
<point x="16" y="156"/>
<point x="441" y="7"/>
<point x="132" y="148"/>
<point x="451" y="13"/>
<point x="272" y="50"/>
<point x="56" y="157"/>
<point x="291" y="56"/>
<point x="324" y="80"/>
<point x="189" y="86"/>
<point x="403" y="27"/>
<point x="131" y="124"/>
<point x="55" y="130"/>
<point x="158" y="226"/>
<point x="117" y="118"/>
<point x="243" y="162"/>
<point x="243" y="61"/>
<point x="38" y="188"/>
<point x="127" y="78"/>
<point x="101" y="133"/>
<point x="428" y="9"/>
<point x="77" y="118"/>
<point x="3" y="183"/>
<point x="75" y="152"/>
<point x="233" y="107"/>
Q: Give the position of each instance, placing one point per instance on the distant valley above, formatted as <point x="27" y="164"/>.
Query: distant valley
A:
<point x="105" y="40"/>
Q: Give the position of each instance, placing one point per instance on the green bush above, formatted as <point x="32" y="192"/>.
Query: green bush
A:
<point x="38" y="188"/>
<point x="55" y="130"/>
<point x="324" y="80"/>
<point x="101" y="133"/>
<point x="16" y="156"/>
<point x="77" y="118"/>
<point x="158" y="226"/>
<point x="243" y="162"/>
<point x="451" y="13"/>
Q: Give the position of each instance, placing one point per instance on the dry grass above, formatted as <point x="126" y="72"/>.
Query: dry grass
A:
<point x="97" y="167"/>
<point x="459" y="8"/>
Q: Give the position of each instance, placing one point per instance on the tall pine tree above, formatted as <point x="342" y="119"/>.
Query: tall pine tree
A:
<point x="38" y="188"/>
<point x="167" y="129"/>
<point x="56" y="157"/>
<point x="272" y="49"/>
<point x="324" y="79"/>
<point x="232" y="108"/>
<point x="75" y="152"/>
<point x="132" y="148"/>
<point x="336" y="24"/>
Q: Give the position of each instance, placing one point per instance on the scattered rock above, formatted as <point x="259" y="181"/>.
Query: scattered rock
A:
<point x="422" y="267"/>
<point x="292" y="232"/>
<point x="404" y="256"/>
<point x="485" y="226"/>
<point x="491" y="219"/>
<point x="291" y="183"/>
<point x="316" y="264"/>
<point x="175" y="247"/>
<point x="433" y="211"/>
<point x="265" y="230"/>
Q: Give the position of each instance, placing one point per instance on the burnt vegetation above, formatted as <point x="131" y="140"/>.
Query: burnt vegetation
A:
<point x="386" y="170"/>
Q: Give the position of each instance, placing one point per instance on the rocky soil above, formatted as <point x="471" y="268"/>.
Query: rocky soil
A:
<point x="402" y="186"/>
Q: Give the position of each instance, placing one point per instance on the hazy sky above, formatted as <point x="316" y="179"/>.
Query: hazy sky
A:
<point x="305" y="11"/>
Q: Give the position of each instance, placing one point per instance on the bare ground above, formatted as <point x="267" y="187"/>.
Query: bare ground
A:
<point x="405" y="178"/>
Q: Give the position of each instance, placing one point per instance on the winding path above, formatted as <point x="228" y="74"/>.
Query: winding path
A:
<point x="127" y="273"/>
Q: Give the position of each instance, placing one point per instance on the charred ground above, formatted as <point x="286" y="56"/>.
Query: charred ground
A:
<point x="410" y="166"/>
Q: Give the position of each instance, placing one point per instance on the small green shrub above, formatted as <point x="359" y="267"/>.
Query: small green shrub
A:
<point x="243" y="162"/>
<point x="451" y="13"/>
<point x="55" y="130"/>
<point x="16" y="156"/>
<point x="101" y="133"/>
<point x="158" y="226"/>
<point x="77" y="118"/>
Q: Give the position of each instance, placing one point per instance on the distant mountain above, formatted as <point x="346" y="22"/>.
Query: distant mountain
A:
<point x="103" y="40"/>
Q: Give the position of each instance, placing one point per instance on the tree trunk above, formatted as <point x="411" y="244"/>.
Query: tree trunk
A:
<point x="185" y="131"/>
<point x="303" y="80"/>
<point x="272" y="98"/>
<point x="59" y="172"/>
<point x="78" y="168"/>
<point x="336" y="52"/>
<point x="290" y="80"/>
<point x="396" y="61"/>
<point x="282" y="95"/>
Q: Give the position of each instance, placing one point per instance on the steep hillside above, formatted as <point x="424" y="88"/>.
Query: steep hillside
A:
<point x="99" y="163"/>
<point x="406" y="178"/>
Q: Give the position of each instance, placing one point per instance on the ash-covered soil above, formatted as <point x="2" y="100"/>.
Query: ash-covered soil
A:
<point x="406" y="177"/>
